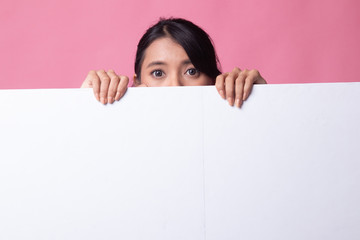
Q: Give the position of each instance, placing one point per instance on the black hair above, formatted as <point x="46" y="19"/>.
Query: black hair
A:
<point x="195" y="41"/>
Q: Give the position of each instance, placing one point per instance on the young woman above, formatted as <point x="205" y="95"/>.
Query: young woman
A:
<point x="175" y="52"/>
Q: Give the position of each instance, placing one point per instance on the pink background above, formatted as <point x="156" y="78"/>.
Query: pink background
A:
<point x="53" y="44"/>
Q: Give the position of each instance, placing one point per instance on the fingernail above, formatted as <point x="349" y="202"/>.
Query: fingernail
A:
<point x="97" y="96"/>
<point x="110" y="100"/>
<point x="117" y="96"/>
<point x="222" y="94"/>
<point x="237" y="103"/>
<point x="103" y="100"/>
<point x="231" y="101"/>
<point x="245" y="96"/>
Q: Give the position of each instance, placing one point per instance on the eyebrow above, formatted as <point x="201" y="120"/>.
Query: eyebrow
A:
<point x="157" y="63"/>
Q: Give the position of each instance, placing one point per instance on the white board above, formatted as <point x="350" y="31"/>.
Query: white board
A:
<point x="178" y="163"/>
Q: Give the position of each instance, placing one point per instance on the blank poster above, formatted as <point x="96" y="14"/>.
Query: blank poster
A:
<point x="179" y="163"/>
<point x="72" y="168"/>
<point x="286" y="166"/>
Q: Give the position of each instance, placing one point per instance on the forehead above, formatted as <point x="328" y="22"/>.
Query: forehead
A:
<point x="166" y="50"/>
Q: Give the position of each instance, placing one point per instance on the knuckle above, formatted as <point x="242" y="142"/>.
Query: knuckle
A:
<point x="124" y="78"/>
<point x="255" y="72"/>
<point x="92" y="72"/>
<point x="236" y="69"/>
<point x="115" y="78"/>
<point x="233" y="73"/>
<point x="92" y="75"/>
<point x="219" y="79"/>
<point x="243" y="75"/>
<point x="230" y="78"/>
<point x="123" y="81"/>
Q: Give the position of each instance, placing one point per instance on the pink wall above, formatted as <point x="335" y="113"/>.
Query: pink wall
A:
<point x="53" y="44"/>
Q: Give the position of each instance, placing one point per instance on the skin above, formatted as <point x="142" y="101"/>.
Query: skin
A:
<point x="167" y="64"/>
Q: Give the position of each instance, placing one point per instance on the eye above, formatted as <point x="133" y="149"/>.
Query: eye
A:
<point x="192" y="71"/>
<point x="157" y="73"/>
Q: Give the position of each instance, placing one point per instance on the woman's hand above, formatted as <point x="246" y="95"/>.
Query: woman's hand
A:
<point x="107" y="86"/>
<point x="236" y="86"/>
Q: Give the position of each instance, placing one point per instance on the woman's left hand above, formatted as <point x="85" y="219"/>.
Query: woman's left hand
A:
<point x="236" y="86"/>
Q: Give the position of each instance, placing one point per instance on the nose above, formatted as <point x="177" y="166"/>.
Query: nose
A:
<point x="174" y="81"/>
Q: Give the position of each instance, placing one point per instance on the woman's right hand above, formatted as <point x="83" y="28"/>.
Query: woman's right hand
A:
<point x="107" y="86"/>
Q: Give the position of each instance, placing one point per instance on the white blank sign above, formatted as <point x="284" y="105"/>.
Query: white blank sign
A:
<point x="179" y="163"/>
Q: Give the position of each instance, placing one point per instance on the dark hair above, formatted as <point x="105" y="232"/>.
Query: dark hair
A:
<point x="195" y="41"/>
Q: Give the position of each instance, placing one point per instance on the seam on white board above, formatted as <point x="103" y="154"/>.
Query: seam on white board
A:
<point x="203" y="154"/>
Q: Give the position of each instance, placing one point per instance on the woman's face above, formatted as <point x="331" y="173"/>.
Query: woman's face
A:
<point x="167" y="64"/>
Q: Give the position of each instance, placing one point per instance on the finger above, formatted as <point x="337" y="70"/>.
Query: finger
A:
<point x="253" y="77"/>
<point x="122" y="87"/>
<point x="259" y="78"/>
<point x="230" y="87"/>
<point x="220" y="84"/>
<point x="92" y="80"/>
<point x="114" y="82"/>
<point x="87" y="82"/>
<point x="104" y="85"/>
<point x="239" y="89"/>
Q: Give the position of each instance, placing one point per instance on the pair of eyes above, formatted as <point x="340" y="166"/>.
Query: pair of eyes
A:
<point x="159" y="73"/>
